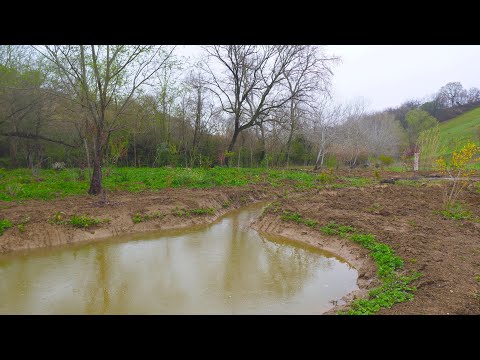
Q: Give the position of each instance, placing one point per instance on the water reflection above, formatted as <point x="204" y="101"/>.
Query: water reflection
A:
<point x="225" y="268"/>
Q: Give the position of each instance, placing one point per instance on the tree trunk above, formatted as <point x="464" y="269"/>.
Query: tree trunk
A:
<point x="232" y="144"/>
<point x="264" y="145"/>
<point x="96" y="180"/>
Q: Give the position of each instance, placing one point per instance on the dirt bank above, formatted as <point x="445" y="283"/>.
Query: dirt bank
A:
<point x="445" y="251"/>
<point x="119" y="210"/>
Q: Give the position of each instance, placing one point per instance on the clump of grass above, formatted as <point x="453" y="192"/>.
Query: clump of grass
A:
<point x="296" y="217"/>
<point x="477" y="278"/>
<point x="138" y="218"/>
<point x="84" y="221"/>
<point x="77" y="221"/>
<point x="4" y="225"/>
<point x="13" y="189"/>
<point x="226" y="204"/>
<point x="414" y="183"/>
<point x="189" y="212"/>
<point x="202" y="211"/>
<point x="325" y="178"/>
<point x="375" y="208"/>
<point x="455" y="212"/>
<point x="22" y="223"/>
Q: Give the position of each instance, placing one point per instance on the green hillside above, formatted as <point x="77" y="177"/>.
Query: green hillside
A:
<point x="459" y="130"/>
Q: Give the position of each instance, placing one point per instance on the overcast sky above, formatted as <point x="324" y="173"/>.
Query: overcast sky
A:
<point x="387" y="75"/>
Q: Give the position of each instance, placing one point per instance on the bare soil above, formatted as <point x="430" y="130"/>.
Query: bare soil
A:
<point x="119" y="210"/>
<point x="445" y="251"/>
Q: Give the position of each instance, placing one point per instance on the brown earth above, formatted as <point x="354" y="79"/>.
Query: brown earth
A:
<point x="119" y="209"/>
<point x="445" y="251"/>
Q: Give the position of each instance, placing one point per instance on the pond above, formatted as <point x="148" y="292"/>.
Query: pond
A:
<point x="223" y="268"/>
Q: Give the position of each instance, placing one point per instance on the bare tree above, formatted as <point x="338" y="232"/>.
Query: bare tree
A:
<point x="310" y="74"/>
<point x="102" y="80"/>
<point x="453" y="94"/>
<point x="249" y="85"/>
<point x="324" y="118"/>
<point x="473" y="95"/>
<point x="201" y="109"/>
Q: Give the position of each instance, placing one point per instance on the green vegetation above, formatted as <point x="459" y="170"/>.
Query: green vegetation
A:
<point x="78" y="221"/>
<point x="460" y="130"/>
<point x="385" y="160"/>
<point x="455" y="212"/>
<point x="417" y="121"/>
<point x="395" y="287"/>
<point x="477" y="278"/>
<point x="190" y="212"/>
<point x="20" y="184"/>
<point x="84" y="221"/>
<point x="5" y="224"/>
<point x="296" y="217"/>
<point x="22" y="223"/>
<point x="138" y="218"/>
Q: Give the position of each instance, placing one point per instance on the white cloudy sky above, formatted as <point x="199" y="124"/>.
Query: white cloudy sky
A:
<point x="387" y="75"/>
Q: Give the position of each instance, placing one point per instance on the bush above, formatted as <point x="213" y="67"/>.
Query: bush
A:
<point x="385" y="160"/>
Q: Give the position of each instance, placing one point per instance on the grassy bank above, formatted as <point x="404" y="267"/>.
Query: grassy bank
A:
<point x="20" y="184"/>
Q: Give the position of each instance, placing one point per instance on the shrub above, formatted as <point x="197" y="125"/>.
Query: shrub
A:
<point x="457" y="169"/>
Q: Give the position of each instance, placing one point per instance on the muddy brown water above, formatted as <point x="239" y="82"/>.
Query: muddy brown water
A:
<point x="222" y="268"/>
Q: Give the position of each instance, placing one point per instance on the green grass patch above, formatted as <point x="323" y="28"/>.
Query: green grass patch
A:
<point x="20" y="184"/>
<point x="395" y="288"/>
<point x="189" y="212"/>
<point x="455" y="212"/>
<point x="4" y="225"/>
<point x="77" y="221"/>
<point x="84" y="221"/>
<point x="414" y="183"/>
<point x="460" y="130"/>
<point x="138" y="218"/>
<point x="296" y="217"/>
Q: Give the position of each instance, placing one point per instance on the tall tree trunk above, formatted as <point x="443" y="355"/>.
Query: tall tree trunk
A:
<point x="292" y="129"/>
<point x="96" y="180"/>
<point x="264" y="144"/>
<point x="87" y="152"/>
<point x="232" y="144"/>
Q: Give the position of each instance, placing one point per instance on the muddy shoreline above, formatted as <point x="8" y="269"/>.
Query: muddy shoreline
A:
<point x="119" y="210"/>
<point x="354" y="254"/>
<point x="406" y="218"/>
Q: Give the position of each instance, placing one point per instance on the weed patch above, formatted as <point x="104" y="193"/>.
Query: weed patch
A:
<point x="4" y="225"/>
